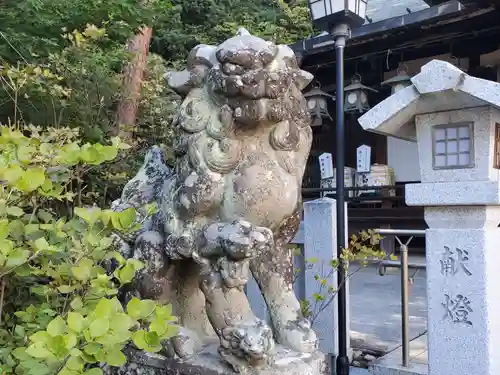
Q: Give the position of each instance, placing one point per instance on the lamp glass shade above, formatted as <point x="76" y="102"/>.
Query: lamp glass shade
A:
<point x="311" y="104"/>
<point x="326" y="13"/>
<point x="352" y="97"/>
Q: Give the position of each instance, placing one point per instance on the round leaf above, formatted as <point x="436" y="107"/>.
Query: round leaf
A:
<point x="93" y="371"/>
<point x="99" y="327"/>
<point x="38" y="350"/>
<point x="75" y="321"/>
<point x="15" y="211"/>
<point x="31" y="180"/>
<point x="116" y="358"/>
<point x="56" y="327"/>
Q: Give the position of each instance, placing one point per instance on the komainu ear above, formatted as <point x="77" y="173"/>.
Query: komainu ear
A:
<point x="302" y="78"/>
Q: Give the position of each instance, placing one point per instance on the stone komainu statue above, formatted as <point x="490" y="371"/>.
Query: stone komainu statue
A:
<point x="231" y="203"/>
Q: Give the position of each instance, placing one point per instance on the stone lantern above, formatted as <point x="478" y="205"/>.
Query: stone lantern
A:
<point x="399" y="81"/>
<point x="356" y="96"/>
<point x="317" y="105"/>
<point x="455" y="120"/>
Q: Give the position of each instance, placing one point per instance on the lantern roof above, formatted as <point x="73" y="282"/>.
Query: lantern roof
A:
<point x="440" y="86"/>
<point x="316" y="91"/>
<point x="357" y="85"/>
<point x="401" y="76"/>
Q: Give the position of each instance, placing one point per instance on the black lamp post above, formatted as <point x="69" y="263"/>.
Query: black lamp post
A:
<point x="338" y="17"/>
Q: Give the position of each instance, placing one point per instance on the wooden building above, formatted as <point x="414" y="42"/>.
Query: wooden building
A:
<point x="406" y="33"/>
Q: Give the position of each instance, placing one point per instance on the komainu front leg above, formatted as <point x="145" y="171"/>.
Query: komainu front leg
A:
<point x="225" y="257"/>
<point x="273" y="272"/>
<point x="159" y="281"/>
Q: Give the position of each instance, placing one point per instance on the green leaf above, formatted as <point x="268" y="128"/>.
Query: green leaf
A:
<point x="45" y="216"/>
<point x="83" y="270"/>
<point x="25" y="153"/>
<point x="92" y="348"/>
<point x="318" y="297"/>
<point x="31" y="180"/>
<point x="56" y="327"/>
<point x="138" y="309"/>
<point x="20" y="353"/>
<point x="4" y="228"/>
<point x="41" y="336"/>
<point x="117" y="256"/>
<point x="165" y="312"/>
<point x="93" y="371"/>
<point x="13" y="173"/>
<point x="107" y="307"/>
<point x="17" y="257"/>
<point x="152" y="338"/>
<point x="75" y="364"/>
<point x="41" y="244"/>
<point x="312" y="260"/>
<point x="121" y="322"/>
<point x="125" y="274"/>
<point x="124" y="219"/>
<point x="89" y="215"/>
<point x="31" y="228"/>
<point x="70" y="340"/>
<point x="16" y="229"/>
<point x="38" y="350"/>
<point x="66" y="289"/>
<point x="106" y="153"/>
<point x="99" y="327"/>
<point x="139" y="339"/>
<point x="15" y="211"/>
<point x="159" y="326"/>
<point x="75" y="321"/>
<point x="57" y="345"/>
<point x="116" y="358"/>
<point x="76" y="304"/>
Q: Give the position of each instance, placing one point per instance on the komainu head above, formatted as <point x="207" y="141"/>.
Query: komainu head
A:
<point x="256" y="80"/>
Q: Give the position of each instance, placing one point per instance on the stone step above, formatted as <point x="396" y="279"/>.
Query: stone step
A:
<point x="391" y="364"/>
<point x="358" y="371"/>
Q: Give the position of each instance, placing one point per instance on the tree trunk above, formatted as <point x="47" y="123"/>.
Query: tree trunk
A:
<point x="126" y="113"/>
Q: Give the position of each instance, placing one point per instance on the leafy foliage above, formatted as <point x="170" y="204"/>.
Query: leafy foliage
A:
<point x="59" y="312"/>
<point x="210" y="22"/>
<point x="38" y="38"/>
<point x="79" y="86"/>
<point x="362" y="248"/>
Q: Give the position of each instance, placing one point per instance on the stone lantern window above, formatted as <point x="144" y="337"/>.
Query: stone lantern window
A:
<point x="452" y="146"/>
<point x="496" y="155"/>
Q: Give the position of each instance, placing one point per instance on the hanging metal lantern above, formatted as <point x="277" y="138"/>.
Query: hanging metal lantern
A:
<point x="356" y="96"/>
<point x="400" y="81"/>
<point x="317" y="105"/>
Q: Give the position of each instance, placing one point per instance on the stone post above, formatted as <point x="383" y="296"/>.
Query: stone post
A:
<point x="320" y="247"/>
<point x="462" y="280"/>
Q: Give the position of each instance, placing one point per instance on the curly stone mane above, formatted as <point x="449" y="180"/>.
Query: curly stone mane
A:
<point x="229" y="92"/>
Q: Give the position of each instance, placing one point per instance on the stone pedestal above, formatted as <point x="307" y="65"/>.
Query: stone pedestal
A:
<point x="208" y="362"/>
<point x="462" y="288"/>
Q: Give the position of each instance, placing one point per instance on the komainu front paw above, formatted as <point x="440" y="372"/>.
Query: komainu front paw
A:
<point x="299" y="336"/>
<point x="241" y="240"/>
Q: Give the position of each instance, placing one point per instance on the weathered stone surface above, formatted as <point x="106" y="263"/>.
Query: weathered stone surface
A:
<point x="208" y="363"/>
<point x="230" y="204"/>
<point x="440" y="86"/>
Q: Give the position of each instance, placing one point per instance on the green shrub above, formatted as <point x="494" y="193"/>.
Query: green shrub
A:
<point x="59" y="273"/>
